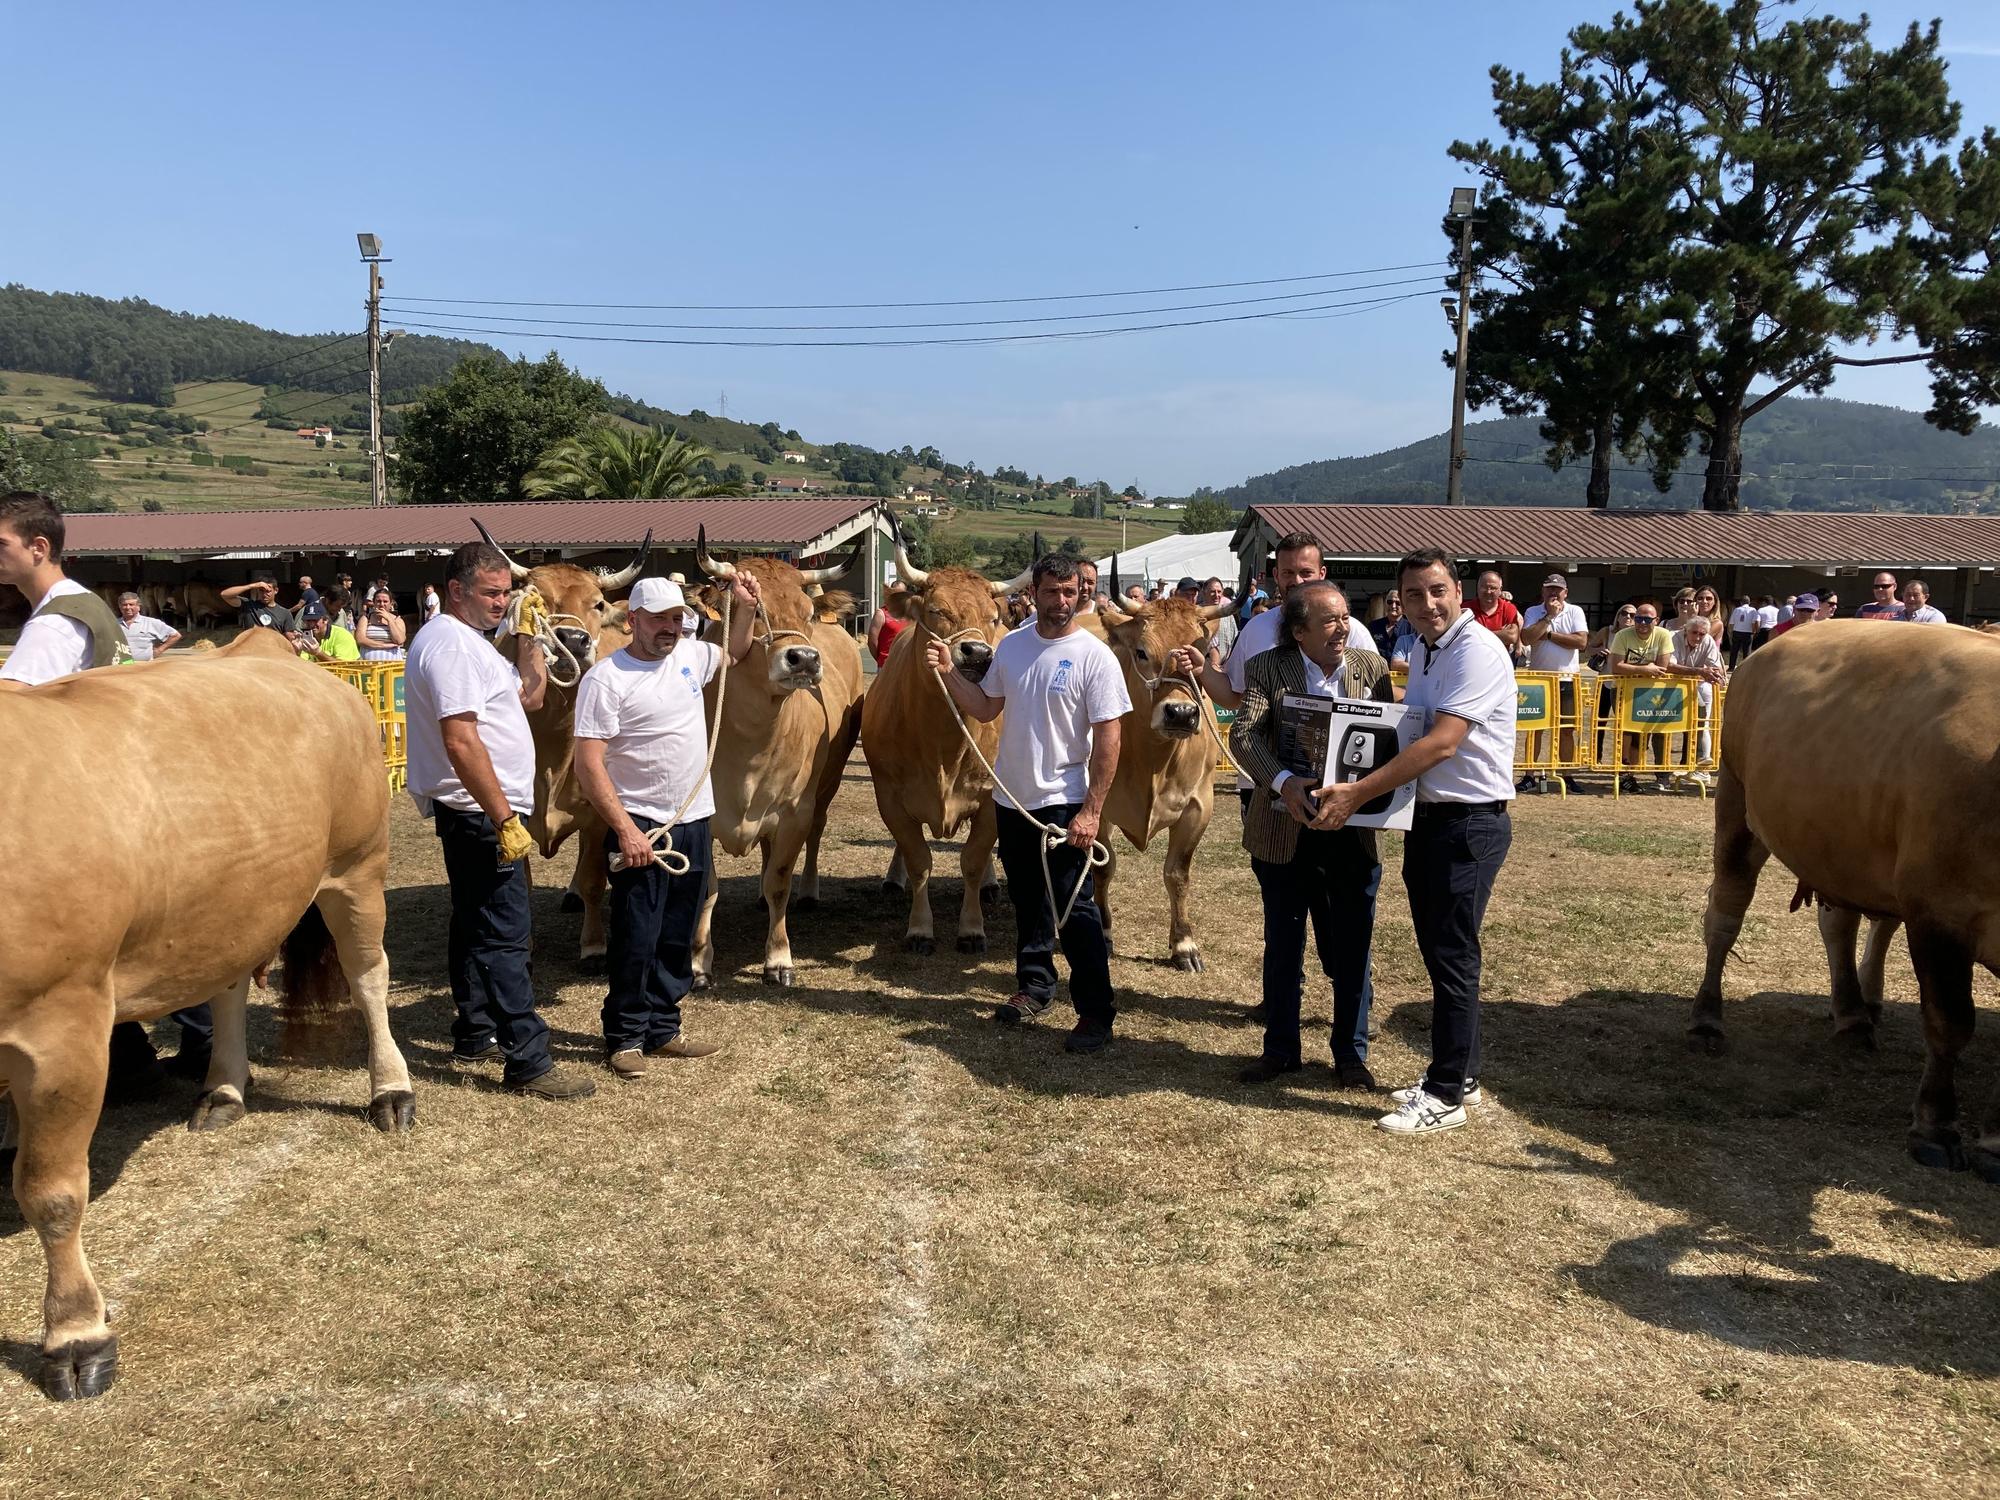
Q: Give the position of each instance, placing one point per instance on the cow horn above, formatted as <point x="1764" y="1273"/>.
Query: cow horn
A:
<point x="1215" y="611"/>
<point x="908" y="571"/>
<point x="1116" y="592"/>
<point x="519" y="572"/>
<point x="1111" y="611"/>
<point x="630" y="572"/>
<point x="708" y="565"/>
<point x="1015" y="584"/>
<point x="835" y="571"/>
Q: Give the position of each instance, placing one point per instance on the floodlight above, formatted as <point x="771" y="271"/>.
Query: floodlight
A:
<point x="1463" y="201"/>
<point x="371" y="245"/>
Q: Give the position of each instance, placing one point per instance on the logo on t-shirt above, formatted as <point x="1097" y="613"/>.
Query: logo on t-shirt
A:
<point x="1060" y="682"/>
<point x="694" y="687"/>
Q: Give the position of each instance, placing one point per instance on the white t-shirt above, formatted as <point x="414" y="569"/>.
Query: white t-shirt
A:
<point x="428" y="607"/>
<point x="50" y="646"/>
<point x="1055" y="690"/>
<point x="1925" y="615"/>
<point x="453" y="669"/>
<point x="650" y="716"/>
<point x="1767" y="617"/>
<point x="143" y="633"/>
<point x="1743" y="619"/>
<point x="1468" y="675"/>
<point x="1545" y="655"/>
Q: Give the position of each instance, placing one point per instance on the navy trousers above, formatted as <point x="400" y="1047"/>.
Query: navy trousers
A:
<point x="651" y="948"/>
<point x="1450" y="858"/>
<point x="1035" y="936"/>
<point x="487" y="949"/>
<point x="1331" y="879"/>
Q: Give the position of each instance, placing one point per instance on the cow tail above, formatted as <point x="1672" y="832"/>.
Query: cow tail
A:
<point x="312" y="992"/>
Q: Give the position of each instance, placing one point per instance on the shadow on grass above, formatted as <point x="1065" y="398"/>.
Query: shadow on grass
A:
<point x="1742" y="1147"/>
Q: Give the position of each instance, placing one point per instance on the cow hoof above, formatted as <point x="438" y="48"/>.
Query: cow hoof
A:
<point x="777" y="974"/>
<point x="891" y="888"/>
<point x="1855" y="1039"/>
<point x="393" y="1112"/>
<point x="923" y="947"/>
<point x="587" y="963"/>
<point x="700" y="982"/>
<point x="571" y="903"/>
<point x="1188" y="961"/>
<point x="804" y="903"/>
<point x="972" y="942"/>
<point x="216" y="1110"/>
<point x="80" y="1369"/>
<point x="1942" y="1151"/>
<point x="1707" y="1040"/>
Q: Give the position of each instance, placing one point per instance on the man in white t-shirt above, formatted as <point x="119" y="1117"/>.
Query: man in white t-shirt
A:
<point x="1462" y="685"/>
<point x="641" y="752"/>
<point x="145" y="636"/>
<point x="1742" y="630"/>
<point x="1767" y="620"/>
<point x="1555" y="632"/>
<point x="1064" y="694"/>
<point x="472" y="772"/>
<point x="1917" y="607"/>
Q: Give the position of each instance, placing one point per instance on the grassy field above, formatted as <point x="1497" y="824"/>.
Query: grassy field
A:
<point x="878" y="1246"/>
<point x="1099" y="537"/>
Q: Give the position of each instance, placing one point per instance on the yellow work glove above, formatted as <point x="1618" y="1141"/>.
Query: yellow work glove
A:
<point x="516" y="843"/>
<point x="528" y="613"/>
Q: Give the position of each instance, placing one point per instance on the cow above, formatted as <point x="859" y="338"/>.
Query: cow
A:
<point x="1166" y="753"/>
<point x="1866" y="767"/>
<point x="927" y="779"/>
<point x="158" y="600"/>
<point x="585" y="625"/>
<point x="124" y="764"/>
<point x="202" y="604"/>
<point x="789" y="714"/>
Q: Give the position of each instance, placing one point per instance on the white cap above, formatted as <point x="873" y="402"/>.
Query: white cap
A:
<point x="656" y="596"/>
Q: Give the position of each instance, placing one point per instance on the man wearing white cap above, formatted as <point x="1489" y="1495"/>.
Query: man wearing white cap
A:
<point x="641" y="753"/>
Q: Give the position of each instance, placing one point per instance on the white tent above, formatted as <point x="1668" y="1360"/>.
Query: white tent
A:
<point x="1204" y="555"/>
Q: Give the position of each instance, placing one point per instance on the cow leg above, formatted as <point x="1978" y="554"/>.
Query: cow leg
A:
<point x="1739" y="857"/>
<point x="975" y="864"/>
<point x="896" y="877"/>
<point x="592" y="881"/>
<point x="1944" y="989"/>
<point x="914" y="852"/>
<point x="228" y="1081"/>
<point x="781" y="854"/>
<point x="55" y="1075"/>
<point x="1840" y="931"/>
<point x="1881" y="931"/>
<point x="704" y="932"/>
<point x="839" y="751"/>
<point x="356" y="918"/>
<point x="1182" y="841"/>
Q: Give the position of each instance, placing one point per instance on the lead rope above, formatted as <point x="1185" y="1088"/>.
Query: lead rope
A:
<point x="669" y="858"/>
<point x="1192" y="682"/>
<point x="1054" y="835"/>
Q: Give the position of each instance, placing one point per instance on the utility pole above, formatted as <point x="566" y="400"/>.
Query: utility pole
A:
<point x="1463" y="200"/>
<point x="378" y="472"/>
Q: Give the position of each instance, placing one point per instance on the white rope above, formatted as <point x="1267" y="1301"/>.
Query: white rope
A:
<point x="665" y="855"/>
<point x="1192" y="682"/>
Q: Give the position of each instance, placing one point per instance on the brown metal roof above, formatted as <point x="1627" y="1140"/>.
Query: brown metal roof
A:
<point x="1538" y="533"/>
<point x="582" y="524"/>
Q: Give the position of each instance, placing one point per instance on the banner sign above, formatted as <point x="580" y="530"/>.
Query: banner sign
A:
<point x="1652" y="708"/>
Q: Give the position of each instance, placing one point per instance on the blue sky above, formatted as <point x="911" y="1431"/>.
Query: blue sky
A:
<point x="815" y="153"/>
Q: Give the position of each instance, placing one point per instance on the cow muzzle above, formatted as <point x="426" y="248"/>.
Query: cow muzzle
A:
<point x="1176" y="718"/>
<point x="971" y="658"/>
<point x="795" y="667"/>
<point x="577" y="642"/>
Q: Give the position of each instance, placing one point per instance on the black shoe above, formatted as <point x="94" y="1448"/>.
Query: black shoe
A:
<point x="1353" y="1075"/>
<point x="1264" y="1069"/>
<point x="1529" y="783"/>
<point x="1020" y="1007"/>
<point x="1087" y="1039"/>
<point x="485" y="1052"/>
<point x="1260" y="1013"/>
<point x="189" y="1062"/>
<point x="1628" y="784"/>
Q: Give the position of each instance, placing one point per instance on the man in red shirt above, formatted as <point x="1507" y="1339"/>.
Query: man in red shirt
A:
<point x="1804" y="608"/>
<point x="1496" y="613"/>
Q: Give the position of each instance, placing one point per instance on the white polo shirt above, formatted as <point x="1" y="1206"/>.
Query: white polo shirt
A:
<point x="1743" y="619"/>
<point x="651" y="718"/>
<point x="1055" y="691"/>
<point x="1468" y="675"/>
<point x="50" y="646"/>
<point x="453" y="669"/>
<point x="144" y="635"/>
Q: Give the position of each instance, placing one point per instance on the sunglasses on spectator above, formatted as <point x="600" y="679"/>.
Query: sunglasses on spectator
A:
<point x="1646" y="619"/>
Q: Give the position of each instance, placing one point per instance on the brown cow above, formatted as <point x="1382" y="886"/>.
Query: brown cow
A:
<point x="202" y="604"/>
<point x="927" y="781"/>
<point x="790" y="712"/>
<point x="1866" y="766"/>
<point x="584" y="625"/>
<point x="1166" y="757"/>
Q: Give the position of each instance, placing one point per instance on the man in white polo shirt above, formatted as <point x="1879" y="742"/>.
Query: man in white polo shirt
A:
<point x="641" y="752"/>
<point x="472" y="771"/>
<point x="145" y="636"/>
<point x="1462" y="683"/>
<point x="1555" y="631"/>
<point x="1064" y="694"/>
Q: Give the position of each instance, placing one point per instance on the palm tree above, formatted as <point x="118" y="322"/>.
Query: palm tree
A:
<point x="607" y="462"/>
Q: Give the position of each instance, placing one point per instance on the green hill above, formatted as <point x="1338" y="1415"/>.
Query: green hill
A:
<point x="1801" y="454"/>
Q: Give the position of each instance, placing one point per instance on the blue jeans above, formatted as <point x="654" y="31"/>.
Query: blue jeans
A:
<point x="487" y="949"/>
<point x="1450" y="858"/>
<point x="1035" y="934"/>
<point x="650" y="951"/>
<point x="1333" y="880"/>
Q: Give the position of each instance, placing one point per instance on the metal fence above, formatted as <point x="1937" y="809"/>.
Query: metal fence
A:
<point x="381" y="683"/>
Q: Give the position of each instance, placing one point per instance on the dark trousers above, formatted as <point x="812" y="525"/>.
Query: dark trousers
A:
<point x="1740" y="642"/>
<point x="487" y="949"/>
<point x="1034" y="924"/>
<point x="132" y="1046"/>
<point x="1332" y="879"/>
<point x="1450" y="858"/>
<point x="651" y="947"/>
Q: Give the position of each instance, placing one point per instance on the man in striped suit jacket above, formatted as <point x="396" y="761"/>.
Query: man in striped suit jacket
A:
<point x="1330" y="876"/>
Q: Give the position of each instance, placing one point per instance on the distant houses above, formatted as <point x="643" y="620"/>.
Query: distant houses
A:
<point x="792" y="456"/>
<point x="794" y="486"/>
<point x="316" y="434"/>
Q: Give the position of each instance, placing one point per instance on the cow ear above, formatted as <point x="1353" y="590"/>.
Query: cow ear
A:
<point x="618" y="616"/>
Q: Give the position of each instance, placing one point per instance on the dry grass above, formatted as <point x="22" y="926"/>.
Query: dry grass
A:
<point x="879" y="1247"/>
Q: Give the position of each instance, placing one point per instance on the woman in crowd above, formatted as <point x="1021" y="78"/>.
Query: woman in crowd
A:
<point x="381" y="632"/>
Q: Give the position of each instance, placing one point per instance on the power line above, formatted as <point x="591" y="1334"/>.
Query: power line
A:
<point x="1366" y="303"/>
<point x="245" y="377"/>
<point x="1156" y="291"/>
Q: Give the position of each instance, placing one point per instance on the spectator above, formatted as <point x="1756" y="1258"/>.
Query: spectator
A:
<point x="692" y="618"/>
<point x="1259" y="592"/>
<point x="1225" y="628"/>
<point x="1829" y="606"/>
<point x="1742" y="630"/>
<point x="1805" y="608"/>
<point x="307" y="595"/>
<point x="1555" y="632"/>
<point x="145" y="636"/>
<point x="321" y="640"/>
<point x="1882" y="601"/>
<point x="427" y="606"/>
<point x="382" y="633"/>
<point x="342" y="610"/>
<point x="1189" y="590"/>
<point x="884" y="625"/>
<point x="1697" y="654"/>
<point x="1643" y="651"/>
<point x="1683" y="607"/>
<point x="1767" y="620"/>
<point x="1708" y="604"/>
<point x="1388" y="627"/>
<point x="1086" y="585"/>
<point x="1497" y="613"/>
<point x="256" y="603"/>
<point x="1917" y="604"/>
<point x="1136" y="595"/>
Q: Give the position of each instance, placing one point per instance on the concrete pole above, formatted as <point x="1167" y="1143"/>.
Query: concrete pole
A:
<point x="378" y="473"/>
<point x="1453" y="488"/>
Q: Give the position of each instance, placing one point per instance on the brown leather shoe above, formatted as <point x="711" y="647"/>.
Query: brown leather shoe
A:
<point x="558" y="1083"/>
<point x="629" y="1065"/>
<point x="680" y="1046"/>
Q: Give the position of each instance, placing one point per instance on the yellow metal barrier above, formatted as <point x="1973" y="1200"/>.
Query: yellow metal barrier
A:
<point x="381" y="683"/>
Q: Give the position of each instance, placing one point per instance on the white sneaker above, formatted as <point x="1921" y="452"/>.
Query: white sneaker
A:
<point x="1473" y="1093"/>
<point x="1423" y="1115"/>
